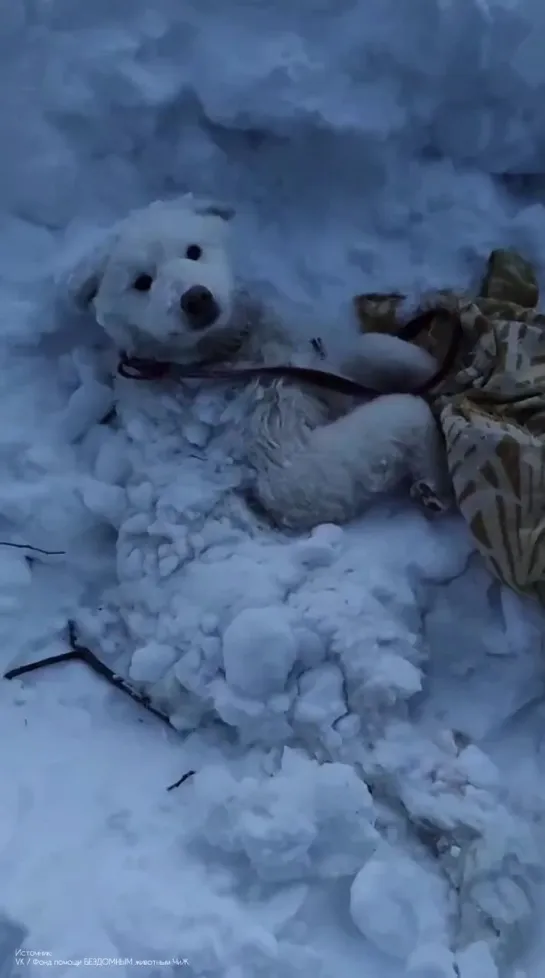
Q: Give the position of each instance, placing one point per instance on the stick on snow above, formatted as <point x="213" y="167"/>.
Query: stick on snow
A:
<point x="80" y="653"/>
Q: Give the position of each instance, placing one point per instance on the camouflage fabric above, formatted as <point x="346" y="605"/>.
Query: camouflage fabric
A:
<point x="491" y="407"/>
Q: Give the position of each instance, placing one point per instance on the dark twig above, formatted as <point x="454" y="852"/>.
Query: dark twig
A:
<point x="37" y="550"/>
<point x="184" y="777"/>
<point x="318" y="347"/>
<point x="79" y="653"/>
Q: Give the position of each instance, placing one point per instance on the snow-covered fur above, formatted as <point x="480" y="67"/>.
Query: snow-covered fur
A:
<point x="137" y="276"/>
<point x="161" y="285"/>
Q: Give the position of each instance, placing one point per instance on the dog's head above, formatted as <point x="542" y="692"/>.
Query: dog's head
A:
<point x="160" y="284"/>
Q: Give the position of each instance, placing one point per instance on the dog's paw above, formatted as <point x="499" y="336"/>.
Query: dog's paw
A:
<point x="433" y="503"/>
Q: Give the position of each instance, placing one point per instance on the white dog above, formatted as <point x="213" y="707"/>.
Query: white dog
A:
<point x="161" y="285"/>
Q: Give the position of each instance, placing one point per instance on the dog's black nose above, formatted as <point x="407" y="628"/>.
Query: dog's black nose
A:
<point x="199" y="306"/>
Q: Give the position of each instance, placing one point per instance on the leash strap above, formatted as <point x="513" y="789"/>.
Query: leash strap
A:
<point x="137" y="368"/>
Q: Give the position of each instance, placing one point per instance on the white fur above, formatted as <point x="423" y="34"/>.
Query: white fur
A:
<point x="316" y="457"/>
<point x="154" y="241"/>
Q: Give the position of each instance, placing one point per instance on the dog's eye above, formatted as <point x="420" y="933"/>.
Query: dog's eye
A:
<point x="143" y="283"/>
<point x="193" y="252"/>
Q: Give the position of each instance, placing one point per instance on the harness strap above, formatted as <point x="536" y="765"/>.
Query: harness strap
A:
<point x="137" y="368"/>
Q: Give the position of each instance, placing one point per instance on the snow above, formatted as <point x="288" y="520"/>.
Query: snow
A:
<point x="260" y="649"/>
<point x="476" y="959"/>
<point x="396" y="906"/>
<point x="362" y="706"/>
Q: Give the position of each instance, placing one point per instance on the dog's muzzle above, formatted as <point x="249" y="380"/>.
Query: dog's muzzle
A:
<point x="199" y="307"/>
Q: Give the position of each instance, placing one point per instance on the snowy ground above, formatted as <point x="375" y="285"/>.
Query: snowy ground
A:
<point x="363" y="708"/>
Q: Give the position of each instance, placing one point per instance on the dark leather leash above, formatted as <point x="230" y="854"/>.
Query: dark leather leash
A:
<point x="137" y="368"/>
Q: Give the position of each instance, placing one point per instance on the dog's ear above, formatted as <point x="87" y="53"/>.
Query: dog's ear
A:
<point x="216" y="209"/>
<point x="208" y="208"/>
<point x="81" y="277"/>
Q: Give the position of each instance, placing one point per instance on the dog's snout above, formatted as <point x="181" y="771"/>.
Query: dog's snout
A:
<point x="200" y="306"/>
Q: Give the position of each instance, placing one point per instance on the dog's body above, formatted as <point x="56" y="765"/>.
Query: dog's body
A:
<point x="161" y="286"/>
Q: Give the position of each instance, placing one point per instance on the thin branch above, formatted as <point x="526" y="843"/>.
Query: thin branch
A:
<point x="37" y="550"/>
<point x="184" y="777"/>
<point x="79" y="653"/>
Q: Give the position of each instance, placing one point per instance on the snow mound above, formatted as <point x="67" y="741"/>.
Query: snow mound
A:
<point x="323" y="830"/>
<point x="395" y="905"/>
<point x="323" y="641"/>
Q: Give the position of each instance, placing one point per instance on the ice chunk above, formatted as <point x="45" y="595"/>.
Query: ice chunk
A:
<point x="259" y="651"/>
<point x="396" y="903"/>
<point x="321" y="548"/>
<point x="150" y="662"/>
<point x="478" y="768"/>
<point x="321" y="699"/>
<point x="476" y="961"/>
<point x="307" y="820"/>
<point x="431" y="961"/>
<point x="104" y="499"/>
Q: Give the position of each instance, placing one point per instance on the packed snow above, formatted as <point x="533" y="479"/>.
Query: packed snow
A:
<point x="362" y="706"/>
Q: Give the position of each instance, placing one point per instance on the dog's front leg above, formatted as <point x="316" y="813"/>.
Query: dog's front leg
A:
<point x="388" y="364"/>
